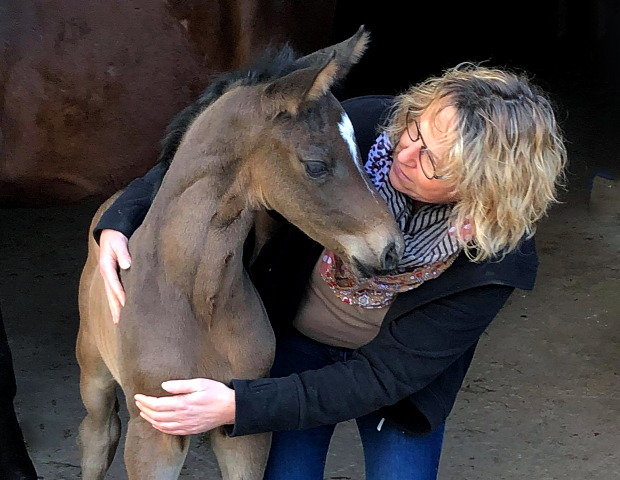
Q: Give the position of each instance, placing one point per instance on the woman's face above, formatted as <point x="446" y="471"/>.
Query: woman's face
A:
<point x="407" y="176"/>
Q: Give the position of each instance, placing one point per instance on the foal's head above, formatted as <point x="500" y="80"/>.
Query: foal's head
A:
<point x="305" y="164"/>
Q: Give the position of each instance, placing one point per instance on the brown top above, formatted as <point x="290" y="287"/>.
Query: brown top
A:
<point x="324" y="317"/>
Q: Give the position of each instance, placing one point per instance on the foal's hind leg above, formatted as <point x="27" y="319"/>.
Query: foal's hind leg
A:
<point x="151" y="454"/>
<point x="101" y="429"/>
<point x="241" y="458"/>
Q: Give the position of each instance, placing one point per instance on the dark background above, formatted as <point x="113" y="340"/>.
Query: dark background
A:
<point x="559" y="41"/>
<point x="570" y="49"/>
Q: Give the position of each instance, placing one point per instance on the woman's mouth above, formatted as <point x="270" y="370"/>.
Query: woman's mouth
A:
<point x="399" y="171"/>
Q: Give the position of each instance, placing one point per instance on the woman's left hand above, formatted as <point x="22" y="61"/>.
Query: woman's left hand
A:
<point x="197" y="405"/>
<point x="468" y="230"/>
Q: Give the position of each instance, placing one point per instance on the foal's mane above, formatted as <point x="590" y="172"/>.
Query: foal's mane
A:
<point x="272" y="64"/>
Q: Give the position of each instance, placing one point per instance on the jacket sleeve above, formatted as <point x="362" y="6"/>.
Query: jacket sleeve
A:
<point x="407" y="354"/>
<point x="129" y="209"/>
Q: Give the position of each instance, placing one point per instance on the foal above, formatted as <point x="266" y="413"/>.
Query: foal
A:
<point x="191" y="311"/>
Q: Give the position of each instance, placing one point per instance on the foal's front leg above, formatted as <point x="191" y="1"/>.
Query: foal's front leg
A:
<point x="151" y="454"/>
<point x="241" y="458"/>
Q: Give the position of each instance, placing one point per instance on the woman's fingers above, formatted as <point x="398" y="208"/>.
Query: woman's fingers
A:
<point x="467" y="230"/>
<point x="171" y="428"/>
<point x="157" y="417"/>
<point x="171" y="415"/>
<point x="110" y="275"/>
<point x="185" y="386"/>
<point x="113" y="288"/>
<point x="113" y="252"/>
<point x="159" y="404"/>
<point x="122" y="252"/>
<point x="113" y="302"/>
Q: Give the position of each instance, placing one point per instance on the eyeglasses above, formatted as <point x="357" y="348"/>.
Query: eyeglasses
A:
<point x="427" y="163"/>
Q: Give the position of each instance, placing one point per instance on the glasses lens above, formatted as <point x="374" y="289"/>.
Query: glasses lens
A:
<point x="427" y="164"/>
<point x="412" y="129"/>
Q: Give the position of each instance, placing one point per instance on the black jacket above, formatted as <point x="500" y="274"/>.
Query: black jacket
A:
<point x="414" y="368"/>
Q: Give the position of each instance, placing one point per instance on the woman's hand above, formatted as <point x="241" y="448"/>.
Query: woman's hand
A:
<point x="467" y="230"/>
<point x="113" y="252"/>
<point x="197" y="405"/>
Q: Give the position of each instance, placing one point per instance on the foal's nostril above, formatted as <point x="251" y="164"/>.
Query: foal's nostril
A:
<point x="390" y="257"/>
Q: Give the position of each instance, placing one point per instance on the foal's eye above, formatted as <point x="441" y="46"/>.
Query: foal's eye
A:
<point x="316" y="169"/>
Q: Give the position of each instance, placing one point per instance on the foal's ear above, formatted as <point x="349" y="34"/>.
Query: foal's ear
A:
<point x="317" y="73"/>
<point x="347" y="53"/>
<point x="305" y="85"/>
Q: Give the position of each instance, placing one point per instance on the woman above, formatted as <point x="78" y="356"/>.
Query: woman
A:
<point x="468" y="163"/>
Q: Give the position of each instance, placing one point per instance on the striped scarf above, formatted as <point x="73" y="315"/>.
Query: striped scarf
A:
<point x="429" y="250"/>
<point x="425" y="231"/>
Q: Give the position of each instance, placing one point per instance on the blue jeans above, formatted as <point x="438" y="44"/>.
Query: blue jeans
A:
<point x="389" y="453"/>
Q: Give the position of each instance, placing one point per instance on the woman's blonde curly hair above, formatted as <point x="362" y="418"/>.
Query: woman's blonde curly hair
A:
<point x="505" y="155"/>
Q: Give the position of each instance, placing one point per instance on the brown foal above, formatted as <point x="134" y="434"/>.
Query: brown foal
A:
<point x="191" y="310"/>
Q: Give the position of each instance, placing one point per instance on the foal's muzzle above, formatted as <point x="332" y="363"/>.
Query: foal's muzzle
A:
<point x="388" y="263"/>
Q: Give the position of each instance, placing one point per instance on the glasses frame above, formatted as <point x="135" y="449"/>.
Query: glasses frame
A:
<point x="424" y="148"/>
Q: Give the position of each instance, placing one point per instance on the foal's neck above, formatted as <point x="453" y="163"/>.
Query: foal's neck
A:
<point x="202" y="216"/>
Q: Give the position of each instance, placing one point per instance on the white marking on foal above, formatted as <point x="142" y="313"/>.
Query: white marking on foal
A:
<point x="346" y="130"/>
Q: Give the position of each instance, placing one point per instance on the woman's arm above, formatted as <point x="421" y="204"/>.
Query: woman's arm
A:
<point x="406" y="355"/>
<point x="127" y="212"/>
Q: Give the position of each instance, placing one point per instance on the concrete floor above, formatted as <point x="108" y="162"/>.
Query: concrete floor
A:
<point x="540" y="401"/>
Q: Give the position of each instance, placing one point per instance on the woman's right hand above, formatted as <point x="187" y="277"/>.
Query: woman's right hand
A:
<point x="113" y="252"/>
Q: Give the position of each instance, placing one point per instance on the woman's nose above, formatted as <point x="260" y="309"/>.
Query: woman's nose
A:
<point x="409" y="154"/>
